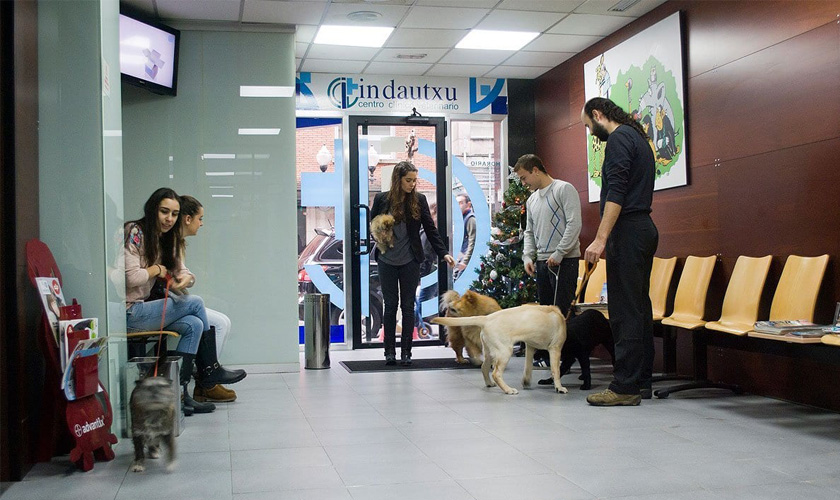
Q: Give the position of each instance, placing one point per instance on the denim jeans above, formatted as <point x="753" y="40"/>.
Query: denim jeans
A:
<point x="222" y="324"/>
<point x="185" y="315"/>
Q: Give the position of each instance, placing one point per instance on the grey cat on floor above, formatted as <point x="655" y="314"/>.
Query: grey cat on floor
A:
<point x="152" y="408"/>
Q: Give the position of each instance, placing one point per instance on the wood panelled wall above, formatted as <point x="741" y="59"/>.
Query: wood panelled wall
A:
<point x="21" y="363"/>
<point x="763" y="130"/>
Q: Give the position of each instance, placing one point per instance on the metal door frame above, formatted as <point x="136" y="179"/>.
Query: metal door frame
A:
<point x="353" y="244"/>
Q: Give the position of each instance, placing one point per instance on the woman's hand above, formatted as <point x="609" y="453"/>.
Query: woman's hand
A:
<point x="156" y="271"/>
<point x="181" y="282"/>
<point x="449" y="260"/>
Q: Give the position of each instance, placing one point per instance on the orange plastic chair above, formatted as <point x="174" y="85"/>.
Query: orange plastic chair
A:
<point x="796" y="294"/>
<point x="596" y="282"/>
<point x="689" y="308"/>
<point x="581" y="272"/>
<point x="740" y="310"/>
<point x="690" y="300"/>
<point x="660" y="282"/>
<point x="743" y="294"/>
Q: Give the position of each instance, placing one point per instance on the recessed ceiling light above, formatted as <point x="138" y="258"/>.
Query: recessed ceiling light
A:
<point x="353" y="36"/>
<point x="496" y="40"/>
<point x="364" y="16"/>
<point x="411" y="56"/>
<point x="623" y="5"/>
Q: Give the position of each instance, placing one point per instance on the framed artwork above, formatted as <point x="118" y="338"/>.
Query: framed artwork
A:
<point x="644" y="76"/>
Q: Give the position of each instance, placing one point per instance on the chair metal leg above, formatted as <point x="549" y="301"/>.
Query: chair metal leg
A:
<point x="701" y="381"/>
<point x="666" y="377"/>
<point x="700" y="384"/>
<point x="669" y="356"/>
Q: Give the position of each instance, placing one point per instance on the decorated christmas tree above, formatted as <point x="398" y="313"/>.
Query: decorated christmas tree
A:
<point x="502" y="273"/>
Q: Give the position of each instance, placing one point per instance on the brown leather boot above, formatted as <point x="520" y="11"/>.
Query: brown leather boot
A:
<point x="216" y="394"/>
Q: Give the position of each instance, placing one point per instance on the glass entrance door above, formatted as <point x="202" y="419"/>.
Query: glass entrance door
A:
<point x="376" y="144"/>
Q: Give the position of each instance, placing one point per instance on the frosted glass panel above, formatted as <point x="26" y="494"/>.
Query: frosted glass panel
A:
<point x="245" y="256"/>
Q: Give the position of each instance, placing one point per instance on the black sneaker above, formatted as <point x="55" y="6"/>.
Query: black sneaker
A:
<point x="646" y="393"/>
<point x="390" y="359"/>
<point x="405" y="359"/>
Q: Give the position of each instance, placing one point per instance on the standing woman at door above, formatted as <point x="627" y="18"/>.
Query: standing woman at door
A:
<point x="399" y="267"/>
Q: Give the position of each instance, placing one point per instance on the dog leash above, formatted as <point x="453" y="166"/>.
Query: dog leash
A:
<point x="589" y="269"/>
<point x="162" y="321"/>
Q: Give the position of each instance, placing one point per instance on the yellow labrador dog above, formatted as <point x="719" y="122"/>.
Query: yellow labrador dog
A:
<point x="539" y="327"/>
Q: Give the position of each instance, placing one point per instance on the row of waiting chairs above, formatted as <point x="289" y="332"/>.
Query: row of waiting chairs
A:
<point x="660" y="282"/>
<point x="795" y="298"/>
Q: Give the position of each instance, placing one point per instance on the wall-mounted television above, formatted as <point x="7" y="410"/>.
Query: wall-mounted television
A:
<point x="149" y="54"/>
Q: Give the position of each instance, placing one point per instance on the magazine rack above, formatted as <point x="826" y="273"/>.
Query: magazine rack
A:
<point x="88" y="419"/>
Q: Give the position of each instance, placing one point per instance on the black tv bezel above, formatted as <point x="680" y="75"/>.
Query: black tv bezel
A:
<point x="151" y="86"/>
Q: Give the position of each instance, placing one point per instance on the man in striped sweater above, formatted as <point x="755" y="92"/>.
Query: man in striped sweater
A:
<point x="552" y="231"/>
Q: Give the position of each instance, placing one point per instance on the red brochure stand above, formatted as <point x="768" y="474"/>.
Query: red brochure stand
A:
<point x="87" y="434"/>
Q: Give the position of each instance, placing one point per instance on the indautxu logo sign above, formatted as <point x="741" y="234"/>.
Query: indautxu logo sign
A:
<point x="372" y="93"/>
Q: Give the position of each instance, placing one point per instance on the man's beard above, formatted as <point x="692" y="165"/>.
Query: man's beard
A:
<point x="600" y="131"/>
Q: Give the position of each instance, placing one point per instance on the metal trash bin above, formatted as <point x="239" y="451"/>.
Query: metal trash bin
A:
<point x="139" y="368"/>
<point x="316" y="330"/>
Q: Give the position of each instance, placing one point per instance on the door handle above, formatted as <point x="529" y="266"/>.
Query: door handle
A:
<point x="358" y="250"/>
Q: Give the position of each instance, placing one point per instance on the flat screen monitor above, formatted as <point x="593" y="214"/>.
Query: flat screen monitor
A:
<point x="149" y="55"/>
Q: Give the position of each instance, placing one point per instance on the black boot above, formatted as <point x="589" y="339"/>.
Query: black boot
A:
<point x="210" y="372"/>
<point x="188" y="404"/>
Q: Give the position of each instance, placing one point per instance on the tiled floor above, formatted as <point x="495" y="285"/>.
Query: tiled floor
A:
<point x="441" y="435"/>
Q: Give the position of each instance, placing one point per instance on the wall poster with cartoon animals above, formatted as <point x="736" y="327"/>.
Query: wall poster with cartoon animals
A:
<point x="644" y="76"/>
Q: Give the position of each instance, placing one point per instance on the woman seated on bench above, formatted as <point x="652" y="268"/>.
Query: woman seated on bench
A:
<point x="192" y="218"/>
<point x="151" y="250"/>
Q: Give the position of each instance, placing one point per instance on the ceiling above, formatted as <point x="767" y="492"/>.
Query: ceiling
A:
<point x="423" y="43"/>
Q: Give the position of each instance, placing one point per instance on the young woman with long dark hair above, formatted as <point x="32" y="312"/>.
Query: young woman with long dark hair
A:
<point x="399" y="268"/>
<point x="152" y="250"/>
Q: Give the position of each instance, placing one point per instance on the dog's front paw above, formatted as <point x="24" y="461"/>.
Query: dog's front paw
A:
<point x="560" y="389"/>
<point x="171" y="466"/>
<point x="526" y="382"/>
<point x="137" y="467"/>
<point x="462" y="361"/>
<point x="491" y="384"/>
<point x="154" y="452"/>
<point x="512" y="392"/>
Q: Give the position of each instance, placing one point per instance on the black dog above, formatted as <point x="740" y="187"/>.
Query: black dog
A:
<point x="584" y="332"/>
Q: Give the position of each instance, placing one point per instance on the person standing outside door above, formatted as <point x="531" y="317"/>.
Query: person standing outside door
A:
<point x="467" y="246"/>
<point x="552" y="231"/>
<point x="630" y="238"/>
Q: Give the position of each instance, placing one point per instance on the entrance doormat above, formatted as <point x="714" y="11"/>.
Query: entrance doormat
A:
<point x="417" y="364"/>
